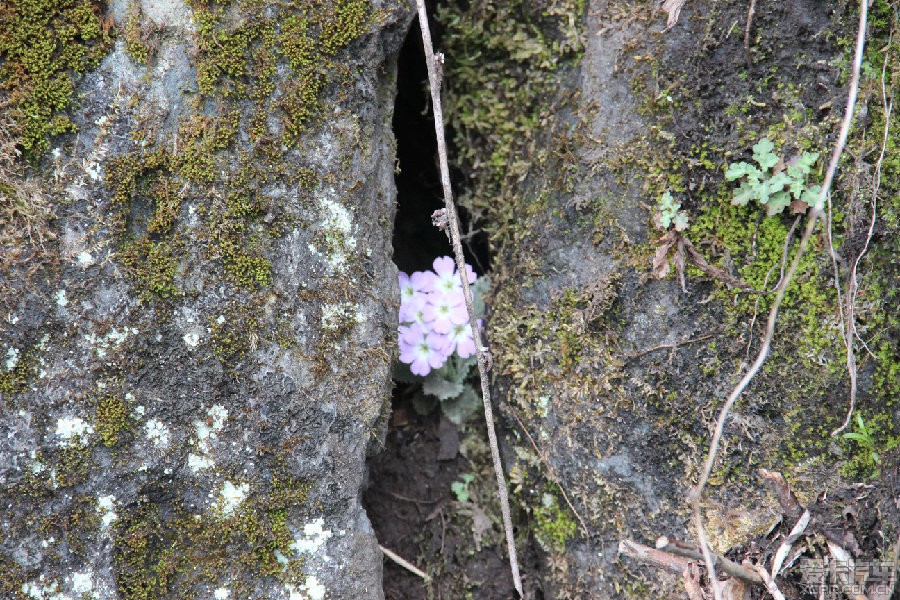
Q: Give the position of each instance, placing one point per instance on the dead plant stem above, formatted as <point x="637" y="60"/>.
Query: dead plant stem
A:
<point x="434" y="80"/>
<point x="849" y="331"/>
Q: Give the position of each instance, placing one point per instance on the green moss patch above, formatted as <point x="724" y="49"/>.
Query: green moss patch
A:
<point x="45" y="45"/>
<point x="164" y="550"/>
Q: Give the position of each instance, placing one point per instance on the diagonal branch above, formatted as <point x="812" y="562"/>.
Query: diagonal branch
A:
<point x="434" y="62"/>
<point x="696" y="494"/>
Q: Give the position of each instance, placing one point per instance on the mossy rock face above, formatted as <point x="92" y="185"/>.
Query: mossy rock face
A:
<point x="182" y="420"/>
<point x="617" y="376"/>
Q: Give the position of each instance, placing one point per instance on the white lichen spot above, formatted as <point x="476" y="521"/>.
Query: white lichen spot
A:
<point x="221" y="593"/>
<point x="337" y="229"/>
<point x="72" y="429"/>
<point x="107" y="507"/>
<point x="231" y="497"/>
<point x="140" y="411"/>
<point x="338" y="316"/>
<point x="41" y="591"/>
<point x="198" y="463"/>
<point x="82" y="583"/>
<point x="12" y="358"/>
<point x="191" y="339"/>
<point x="157" y="433"/>
<point x="85" y="259"/>
<point x="61" y="299"/>
<point x="207" y="431"/>
<point x="220" y="319"/>
<point x="112" y="340"/>
<point x="314" y="535"/>
<point x="310" y="590"/>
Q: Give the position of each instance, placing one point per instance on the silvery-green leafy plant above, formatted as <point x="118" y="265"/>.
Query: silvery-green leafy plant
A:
<point x="773" y="183"/>
<point x="669" y="213"/>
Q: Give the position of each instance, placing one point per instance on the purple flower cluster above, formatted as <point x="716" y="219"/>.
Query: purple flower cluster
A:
<point x="434" y="322"/>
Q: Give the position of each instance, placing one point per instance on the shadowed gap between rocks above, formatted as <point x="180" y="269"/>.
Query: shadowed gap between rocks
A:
<point x="420" y="459"/>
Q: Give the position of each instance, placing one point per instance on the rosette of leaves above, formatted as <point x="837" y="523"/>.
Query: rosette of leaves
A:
<point x="774" y="183"/>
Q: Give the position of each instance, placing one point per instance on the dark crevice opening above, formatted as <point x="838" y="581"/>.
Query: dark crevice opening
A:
<point x="416" y="241"/>
<point x="415" y="463"/>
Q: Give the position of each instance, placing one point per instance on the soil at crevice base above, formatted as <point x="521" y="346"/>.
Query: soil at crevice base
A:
<point x="416" y="515"/>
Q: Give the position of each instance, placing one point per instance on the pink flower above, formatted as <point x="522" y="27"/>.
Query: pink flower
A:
<point x="421" y="350"/>
<point x="412" y="299"/>
<point x="443" y="311"/>
<point x="446" y="279"/>
<point x="461" y="340"/>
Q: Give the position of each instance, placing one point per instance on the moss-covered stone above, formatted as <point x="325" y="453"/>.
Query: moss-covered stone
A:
<point x="152" y="265"/>
<point x="45" y="45"/>
<point x="164" y="549"/>
<point x="111" y="419"/>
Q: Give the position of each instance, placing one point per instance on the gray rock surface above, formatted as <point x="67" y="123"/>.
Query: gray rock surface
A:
<point x="618" y="377"/>
<point x="195" y="368"/>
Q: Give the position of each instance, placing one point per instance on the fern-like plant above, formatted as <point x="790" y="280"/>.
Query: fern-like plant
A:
<point x="773" y="183"/>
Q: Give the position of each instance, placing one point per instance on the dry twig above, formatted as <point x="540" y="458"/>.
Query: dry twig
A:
<point x="658" y="558"/>
<point x="697" y="493"/>
<point x="849" y="331"/>
<point x="849" y="566"/>
<point x="405" y="564"/>
<point x="770" y="583"/>
<point x="435" y="74"/>
<point x="665" y="544"/>
<point x="750" y="13"/>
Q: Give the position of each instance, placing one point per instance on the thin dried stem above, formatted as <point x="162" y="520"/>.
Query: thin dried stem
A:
<point x="434" y="80"/>
<point x="551" y="472"/>
<point x="696" y="494"/>
<point x="405" y="563"/>
<point x="852" y="283"/>
<point x="732" y="568"/>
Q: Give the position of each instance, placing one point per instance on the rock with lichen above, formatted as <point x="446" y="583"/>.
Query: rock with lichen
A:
<point x="617" y="376"/>
<point x="198" y="301"/>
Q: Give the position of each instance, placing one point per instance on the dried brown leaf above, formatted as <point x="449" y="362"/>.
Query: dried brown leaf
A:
<point x="735" y="589"/>
<point x="696" y="259"/>
<point x="679" y="265"/>
<point x="799" y="207"/>
<point x="673" y="9"/>
<point x="660" y="259"/>
<point x="691" y="576"/>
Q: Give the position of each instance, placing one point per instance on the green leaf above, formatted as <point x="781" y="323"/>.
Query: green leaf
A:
<point x="743" y="194"/>
<point x="461" y="407"/>
<point x="763" y="155"/>
<point x="778" y="181"/>
<point x="796" y="187"/>
<point x="862" y="424"/>
<point x="479" y="289"/>
<point x="811" y="196"/>
<point x="857" y="436"/>
<point x="807" y="160"/>
<point x="762" y="192"/>
<point x="441" y="388"/>
<point x="667" y="202"/>
<point x="460" y="491"/>
<point x="777" y="203"/>
<point x="681" y="221"/>
<point x="665" y="219"/>
<point x="741" y="169"/>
